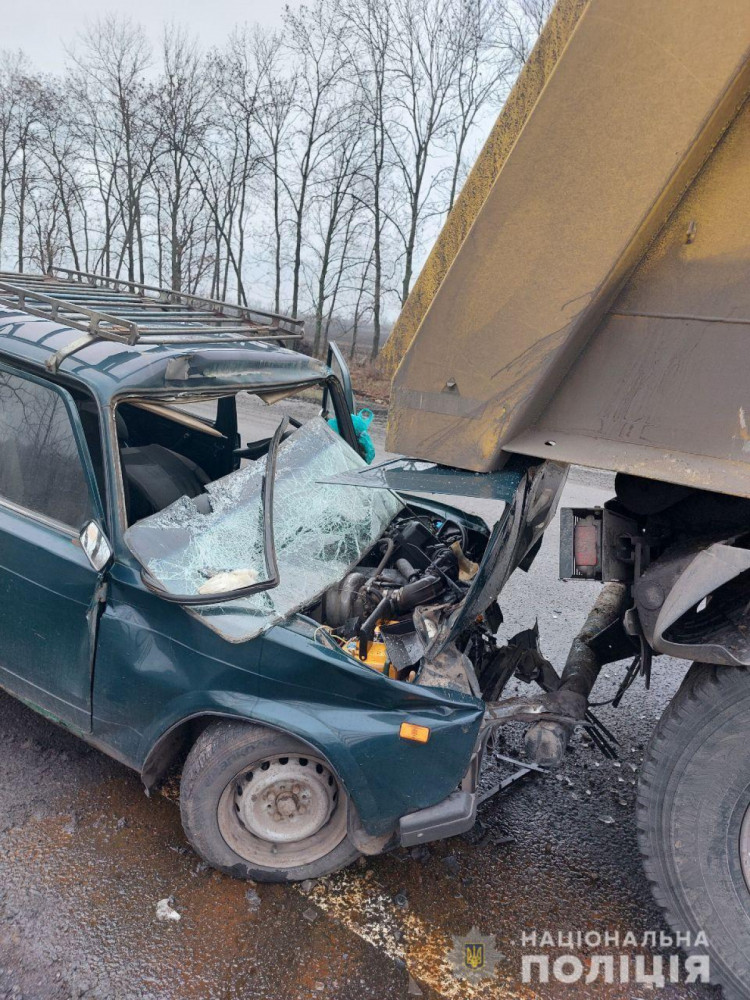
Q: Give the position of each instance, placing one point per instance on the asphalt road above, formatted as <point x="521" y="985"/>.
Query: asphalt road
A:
<point x="85" y="856"/>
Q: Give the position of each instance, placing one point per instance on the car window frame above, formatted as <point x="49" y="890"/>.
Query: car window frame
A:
<point x="342" y="413"/>
<point x="336" y="355"/>
<point x="97" y="509"/>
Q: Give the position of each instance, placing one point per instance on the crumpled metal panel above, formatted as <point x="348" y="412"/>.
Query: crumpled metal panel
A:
<point x="521" y="526"/>
<point x="320" y="531"/>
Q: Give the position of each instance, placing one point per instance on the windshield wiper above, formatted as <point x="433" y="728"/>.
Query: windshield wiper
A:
<point x="269" y="545"/>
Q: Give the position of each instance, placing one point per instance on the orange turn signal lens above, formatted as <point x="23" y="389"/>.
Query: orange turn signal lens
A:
<point x="417" y="734"/>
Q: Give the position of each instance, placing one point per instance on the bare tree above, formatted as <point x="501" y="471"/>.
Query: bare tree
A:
<point x="101" y="150"/>
<point x="335" y="210"/>
<point x="315" y="43"/>
<point x="308" y="166"/>
<point x="111" y="62"/>
<point x="368" y="27"/>
<point x="58" y="151"/>
<point x="361" y="306"/>
<point x="275" y="119"/>
<point x="426" y="69"/>
<point x="483" y="69"/>
<point x="16" y="97"/>
<point x="21" y="100"/>
<point x="183" y="100"/>
<point x="236" y="148"/>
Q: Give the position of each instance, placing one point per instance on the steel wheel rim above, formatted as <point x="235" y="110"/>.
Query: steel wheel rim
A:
<point x="283" y="811"/>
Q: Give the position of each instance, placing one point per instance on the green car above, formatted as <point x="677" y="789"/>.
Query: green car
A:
<point x="199" y="572"/>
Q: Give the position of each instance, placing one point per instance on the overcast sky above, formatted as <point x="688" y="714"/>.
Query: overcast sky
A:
<point x="42" y="28"/>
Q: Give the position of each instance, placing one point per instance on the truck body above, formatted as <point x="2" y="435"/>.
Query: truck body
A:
<point x="588" y="302"/>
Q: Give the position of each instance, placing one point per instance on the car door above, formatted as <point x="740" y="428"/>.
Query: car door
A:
<point x="48" y="589"/>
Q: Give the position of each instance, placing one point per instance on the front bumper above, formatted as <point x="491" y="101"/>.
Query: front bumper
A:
<point x="448" y="818"/>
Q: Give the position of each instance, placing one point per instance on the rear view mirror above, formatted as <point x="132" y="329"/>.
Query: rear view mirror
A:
<point x="96" y="545"/>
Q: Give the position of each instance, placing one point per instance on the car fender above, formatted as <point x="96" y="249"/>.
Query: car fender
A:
<point x="384" y="775"/>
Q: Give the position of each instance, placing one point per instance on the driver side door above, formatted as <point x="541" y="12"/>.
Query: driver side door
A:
<point x="48" y="589"/>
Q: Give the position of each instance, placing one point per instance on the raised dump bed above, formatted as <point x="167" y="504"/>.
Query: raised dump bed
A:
<point x="588" y="300"/>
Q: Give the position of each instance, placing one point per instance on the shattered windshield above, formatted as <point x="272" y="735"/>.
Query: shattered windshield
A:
<point x="320" y="532"/>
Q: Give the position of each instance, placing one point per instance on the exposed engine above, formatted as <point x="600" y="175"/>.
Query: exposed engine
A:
<point x="420" y="562"/>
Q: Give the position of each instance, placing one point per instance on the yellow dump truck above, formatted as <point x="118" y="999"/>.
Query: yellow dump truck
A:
<point x="588" y="302"/>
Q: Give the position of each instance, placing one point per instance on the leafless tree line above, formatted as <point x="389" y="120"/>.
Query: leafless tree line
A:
<point x="303" y="169"/>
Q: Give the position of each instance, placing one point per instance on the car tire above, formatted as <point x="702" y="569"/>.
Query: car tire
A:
<point x="292" y="823"/>
<point x="694" y="819"/>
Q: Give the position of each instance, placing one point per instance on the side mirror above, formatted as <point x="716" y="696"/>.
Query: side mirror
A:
<point x="96" y="546"/>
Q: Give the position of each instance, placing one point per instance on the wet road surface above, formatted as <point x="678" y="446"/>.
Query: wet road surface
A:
<point x="85" y="856"/>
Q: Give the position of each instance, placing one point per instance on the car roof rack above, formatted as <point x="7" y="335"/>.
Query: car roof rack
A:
<point x="133" y="313"/>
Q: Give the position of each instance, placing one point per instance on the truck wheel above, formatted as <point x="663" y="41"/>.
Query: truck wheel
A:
<point x="694" y="818"/>
<point x="261" y="805"/>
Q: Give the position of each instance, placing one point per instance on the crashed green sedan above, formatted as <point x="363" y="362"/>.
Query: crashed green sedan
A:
<point x="194" y="578"/>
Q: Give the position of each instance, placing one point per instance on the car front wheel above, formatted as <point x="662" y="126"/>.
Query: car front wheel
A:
<point x="259" y="804"/>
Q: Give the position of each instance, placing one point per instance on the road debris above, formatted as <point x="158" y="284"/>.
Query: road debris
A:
<point x="165" y="910"/>
<point x="420" y="853"/>
<point x="451" y="863"/>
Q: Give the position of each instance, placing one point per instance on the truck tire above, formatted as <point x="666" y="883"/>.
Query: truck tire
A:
<point x="694" y="818"/>
<point x="258" y="804"/>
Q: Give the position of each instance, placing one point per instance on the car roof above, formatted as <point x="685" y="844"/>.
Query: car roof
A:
<point x="32" y="333"/>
